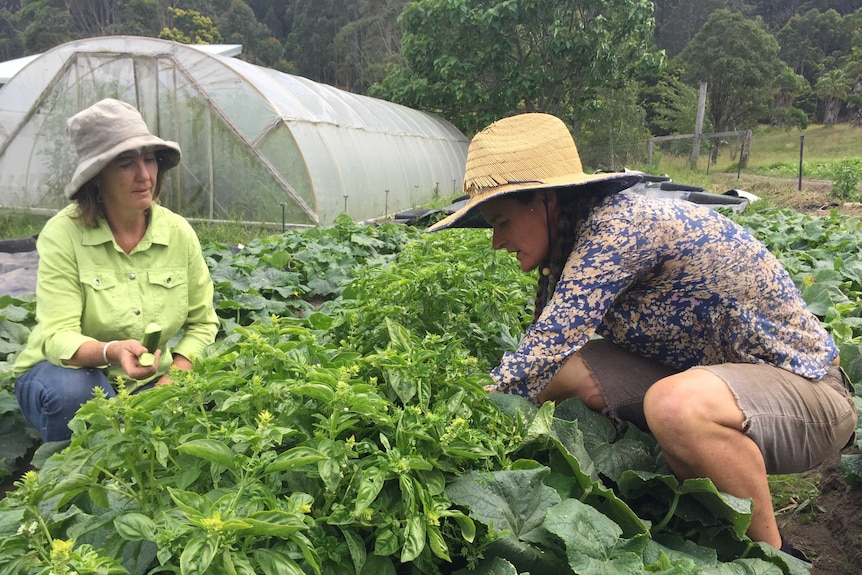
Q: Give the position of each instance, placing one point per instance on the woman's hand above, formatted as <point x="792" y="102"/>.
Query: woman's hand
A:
<point x="126" y="353"/>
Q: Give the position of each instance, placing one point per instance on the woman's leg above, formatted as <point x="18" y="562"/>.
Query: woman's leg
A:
<point x="50" y="395"/>
<point x="698" y="424"/>
<point x="608" y="379"/>
<point x="736" y="423"/>
<point x="574" y="380"/>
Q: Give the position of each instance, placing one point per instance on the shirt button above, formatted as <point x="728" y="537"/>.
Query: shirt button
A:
<point x="136" y="312"/>
<point x="97" y="282"/>
<point x="131" y="276"/>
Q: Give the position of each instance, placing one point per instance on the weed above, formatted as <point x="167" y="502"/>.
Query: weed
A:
<point x="16" y="223"/>
<point x="794" y="494"/>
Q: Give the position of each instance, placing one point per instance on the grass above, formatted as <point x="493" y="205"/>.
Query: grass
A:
<point x="21" y="224"/>
<point x="233" y="232"/>
<point x="793" y="495"/>
<point x="774" y="152"/>
<point x="772" y="145"/>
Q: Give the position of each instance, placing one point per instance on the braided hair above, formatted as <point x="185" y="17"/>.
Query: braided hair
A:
<point x="574" y="207"/>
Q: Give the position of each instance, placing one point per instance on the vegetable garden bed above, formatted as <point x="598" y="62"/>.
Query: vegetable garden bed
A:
<point x="353" y="434"/>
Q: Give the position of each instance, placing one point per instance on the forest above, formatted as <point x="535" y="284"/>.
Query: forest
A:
<point x="618" y="71"/>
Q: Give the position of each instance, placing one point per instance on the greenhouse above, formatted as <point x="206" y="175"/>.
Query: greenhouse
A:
<point x="258" y="145"/>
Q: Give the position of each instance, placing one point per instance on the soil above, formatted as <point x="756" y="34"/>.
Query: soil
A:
<point x="828" y="528"/>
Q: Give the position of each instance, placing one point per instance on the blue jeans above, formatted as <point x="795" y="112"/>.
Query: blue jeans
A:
<point x="50" y="395"/>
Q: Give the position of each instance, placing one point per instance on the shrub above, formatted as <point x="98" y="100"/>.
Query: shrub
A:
<point x="846" y="177"/>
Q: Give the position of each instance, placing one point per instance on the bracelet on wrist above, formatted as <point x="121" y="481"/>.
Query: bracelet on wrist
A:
<point x="105" y="353"/>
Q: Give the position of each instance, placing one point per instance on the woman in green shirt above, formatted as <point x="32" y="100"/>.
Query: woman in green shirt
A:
<point x="110" y="263"/>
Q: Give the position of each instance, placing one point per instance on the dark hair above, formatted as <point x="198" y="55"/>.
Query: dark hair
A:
<point x="91" y="209"/>
<point x="574" y="207"/>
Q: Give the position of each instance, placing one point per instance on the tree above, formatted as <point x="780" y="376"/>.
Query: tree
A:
<point x="613" y="135"/>
<point x="202" y="7"/>
<point x="475" y="61"/>
<point x="672" y="106"/>
<point x="11" y="43"/>
<point x="367" y="45"/>
<point x="238" y="25"/>
<point x="811" y="43"/>
<point x="788" y="87"/>
<point x="677" y="21"/>
<point x="832" y="87"/>
<point x="776" y="13"/>
<point x="852" y="64"/>
<point x="107" y="17"/>
<point x="43" y="24"/>
<point x="739" y="61"/>
<point x="310" y="44"/>
<point x="190" y="27"/>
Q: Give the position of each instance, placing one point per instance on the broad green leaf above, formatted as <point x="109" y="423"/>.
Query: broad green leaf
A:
<point x="356" y="547"/>
<point x="99" y="495"/>
<point x="591" y="540"/>
<point x="612" y="459"/>
<point x="386" y="543"/>
<point x="851" y="468"/>
<point x="234" y="563"/>
<point x="135" y="527"/>
<point x="596" y="428"/>
<point x="369" y="487"/>
<point x="514" y="502"/>
<point x="211" y="450"/>
<point x="295" y="457"/>
<point x="275" y="523"/>
<point x="414" y="538"/>
<point x="378" y="565"/>
<point x="540" y="426"/>
<point x="437" y="543"/>
<point x="317" y="391"/>
<point x="10" y="521"/>
<point x="490" y="566"/>
<point x="329" y="468"/>
<point x="192" y="504"/>
<point x="198" y="554"/>
<point x="398" y="336"/>
<point x="273" y="563"/>
<point x="465" y="524"/>
<point x="695" y="500"/>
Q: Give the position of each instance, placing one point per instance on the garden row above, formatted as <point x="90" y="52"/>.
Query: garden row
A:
<point x="339" y="425"/>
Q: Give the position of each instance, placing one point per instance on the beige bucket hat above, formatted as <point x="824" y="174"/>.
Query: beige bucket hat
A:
<point x="107" y="129"/>
<point x="525" y="152"/>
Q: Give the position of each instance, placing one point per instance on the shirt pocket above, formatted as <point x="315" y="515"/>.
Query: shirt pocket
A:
<point x="103" y="304"/>
<point x="169" y="292"/>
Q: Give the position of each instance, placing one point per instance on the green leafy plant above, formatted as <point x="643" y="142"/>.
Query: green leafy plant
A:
<point x="846" y="177"/>
<point x="285" y="453"/>
<point x="344" y="428"/>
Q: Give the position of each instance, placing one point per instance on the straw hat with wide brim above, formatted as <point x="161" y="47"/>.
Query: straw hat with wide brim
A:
<point x="107" y="129"/>
<point x="520" y="153"/>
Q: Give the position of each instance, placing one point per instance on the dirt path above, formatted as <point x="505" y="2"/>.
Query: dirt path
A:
<point x="812" y="198"/>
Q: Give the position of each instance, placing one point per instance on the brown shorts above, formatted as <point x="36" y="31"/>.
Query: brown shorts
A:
<point x="797" y="423"/>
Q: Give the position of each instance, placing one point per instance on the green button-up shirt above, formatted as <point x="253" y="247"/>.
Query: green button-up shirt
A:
<point x="88" y="289"/>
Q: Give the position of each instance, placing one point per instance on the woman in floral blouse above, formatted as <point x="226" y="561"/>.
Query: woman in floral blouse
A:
<point x="662" y="313"/>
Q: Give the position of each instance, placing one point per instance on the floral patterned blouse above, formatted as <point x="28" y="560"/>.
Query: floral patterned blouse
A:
<point x="672" y="281"/>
